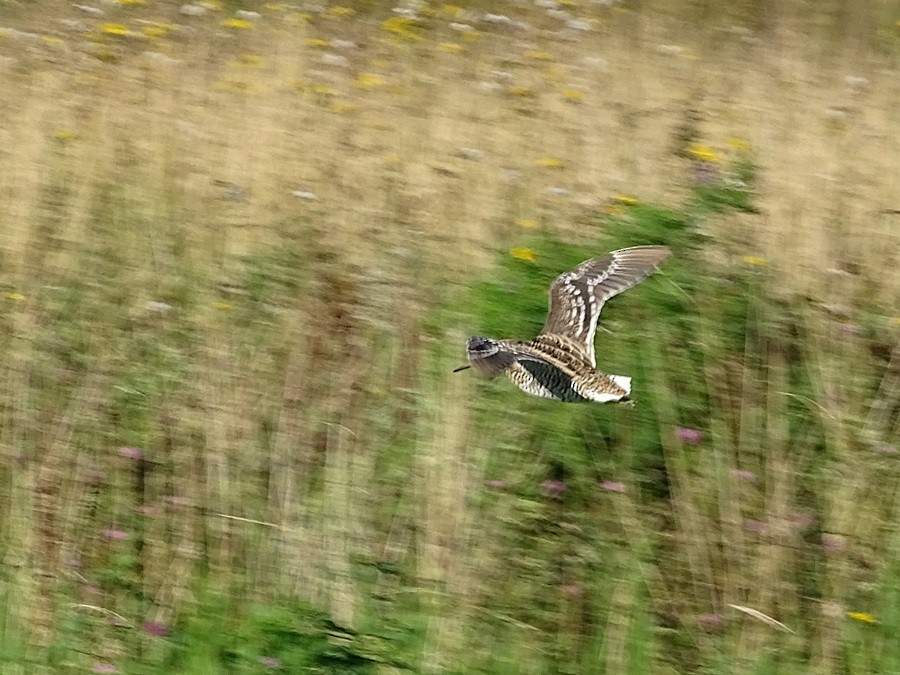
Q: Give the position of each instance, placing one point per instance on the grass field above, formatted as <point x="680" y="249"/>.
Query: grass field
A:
<point x="240" y="254"/>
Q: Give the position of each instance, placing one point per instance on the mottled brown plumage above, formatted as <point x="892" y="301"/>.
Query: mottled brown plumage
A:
<point x="560" y="363"/>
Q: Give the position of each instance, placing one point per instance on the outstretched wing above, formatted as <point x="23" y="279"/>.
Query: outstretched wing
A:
<point x="577" y="296"/>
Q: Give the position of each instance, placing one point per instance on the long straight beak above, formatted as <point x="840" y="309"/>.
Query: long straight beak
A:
<point x="461" y="368"/>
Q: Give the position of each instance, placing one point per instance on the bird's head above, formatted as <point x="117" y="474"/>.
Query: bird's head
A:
<point x="480" y="348"/>
<point x="486" y="356"/>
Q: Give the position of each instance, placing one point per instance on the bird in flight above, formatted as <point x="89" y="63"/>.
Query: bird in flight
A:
<point x="559" y="363"/>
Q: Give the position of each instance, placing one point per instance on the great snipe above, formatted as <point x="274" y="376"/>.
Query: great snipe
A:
<point x="559" y="363"/>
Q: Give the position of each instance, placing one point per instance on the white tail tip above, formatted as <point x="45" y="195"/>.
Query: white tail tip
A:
<point x="622" y="381"/>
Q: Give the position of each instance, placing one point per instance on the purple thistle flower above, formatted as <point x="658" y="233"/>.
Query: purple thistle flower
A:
<point x="833" y="544"/>
<point x="689" y="436"/>
<point x="270" y="661"/>
<point x="746" y="476"/>
<point x="114" y="534"/>
<point x="155" y="628"/>
<point x="712" y="623"/>
<point x="131" y="453"/>
<point x="802" y="520"/>
<point x="103" y="667"/>
<point x="613" y="486"/>
<point x="496" y="483"/>
<point x="849" y="328"/>
<point x="755" y="526"/>
<point x="705" y="173"/>
<point x="573" y="591"/>
<point x="553" y="488"/>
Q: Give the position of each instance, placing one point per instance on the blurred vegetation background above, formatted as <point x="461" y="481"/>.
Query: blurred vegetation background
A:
<point x="242" y="245"/>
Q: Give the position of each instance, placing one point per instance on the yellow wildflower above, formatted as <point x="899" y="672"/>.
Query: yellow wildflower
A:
<point x="895" y="321"/>
<point x="51" y="40"/>
<point x="117" y="29"/>
<point x="63" y="135"/>
<point x="528" y="223"/>
<point x="739" y="143"/>
<point x="323" y="90"/>
<point x="157" y="30"/>
<point x="549" y="163"/>
<point x="452" y="10"/>
<point x="341" y="12"/>
<point x="755" y="260"/>
<point x="249" y="61"/>
<point x="613" y="209"/>
<point x="525" y="254"/>
<point x="212" y="5"/>
<point x="519" y="91"/>
<point x="132" y="2"/>
<point x="222" y="305"/>
<point x="625" y="200"/>
<point x="402" y="27"/>
<point x="862" y="617"/>
<point x="15" y="297"/>
<point x="233" y="85"/>
<point x="538" y="55"/>
<point x="274" y="6"/>
<point x="315" y="42"/>
<point x="368" y="81"/>
<point x="105" y="55"/>
<point x="237" y="24"/>
<point x="342" y="106"/>
<point x="573" y="95"/>
<point x="450" y="47"/>
<point x="703" y="152"/>
<point x="556" y="73"/>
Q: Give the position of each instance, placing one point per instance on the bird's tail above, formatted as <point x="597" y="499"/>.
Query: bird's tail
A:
<point x="622" y="381"/>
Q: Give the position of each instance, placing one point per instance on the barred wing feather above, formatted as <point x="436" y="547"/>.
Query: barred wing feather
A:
<point x="577" y="296"/>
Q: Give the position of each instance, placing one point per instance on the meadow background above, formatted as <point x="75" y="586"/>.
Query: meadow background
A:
<point x="241" y="247"/>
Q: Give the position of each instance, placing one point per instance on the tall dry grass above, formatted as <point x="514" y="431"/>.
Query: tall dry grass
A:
<point x="222" y="245"/>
